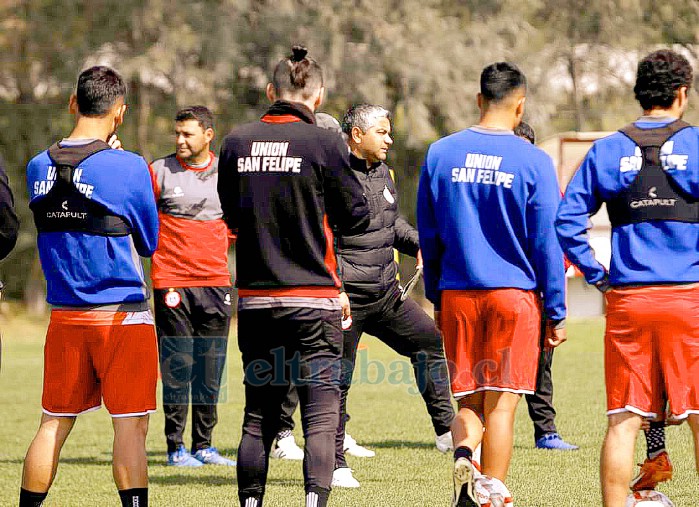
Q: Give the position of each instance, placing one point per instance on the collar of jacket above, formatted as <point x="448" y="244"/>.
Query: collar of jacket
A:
<point x="359" y="164"/>
<point x="295" y="110"/>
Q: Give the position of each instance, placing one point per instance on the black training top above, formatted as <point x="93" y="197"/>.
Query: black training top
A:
<point x="367" y="262"/>
<point x="284" y="184"/>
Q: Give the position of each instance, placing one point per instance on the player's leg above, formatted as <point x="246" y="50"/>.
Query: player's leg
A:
<point x="462" y="329"/>
<point x="634" y="384"/>
<point x="499" y="414"/>
<point x="41" y="461"/>
<point x="657" y="466"/>
<point x="260" y="332"/>
<point x="616" y="462"/>
<point x="285" y="446"/>
<point x="406" y="328"/>
<point x="351" y="338"/>
<point x="211" y="315"/>
<point x="127" y="363"/>
<point x="467" y="426"/>
<point x="467" y="433"/>
<point x="678" y="344"/>
<point x="541" y="410"/>
<point x="175" y="332"/>
<point x="693" y="421"/>
<point x="508" y="368"/>
<point x="69" y="388"/>
<point x="318" y="384"/>
<point x="129" y="460"/>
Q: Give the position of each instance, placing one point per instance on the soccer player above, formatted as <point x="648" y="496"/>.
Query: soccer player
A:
<point x="486" y="206"/>
<point x="95" y="214"/>
<point x="284" y="184"/>
<point x="648" y="176"/>
<point x="369" y="274"/>
<point x="285" y="446"/>
<point x="540" y="403"/>
<point x="192" y="287"/>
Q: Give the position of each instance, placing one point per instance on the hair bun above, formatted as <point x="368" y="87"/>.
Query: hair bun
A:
<point x="298" y="53"/>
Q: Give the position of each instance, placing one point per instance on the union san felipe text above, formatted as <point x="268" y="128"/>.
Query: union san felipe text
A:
<point x="269" y="157"/>
<point x="42" y="187"/>
<point x="483" y="169"/>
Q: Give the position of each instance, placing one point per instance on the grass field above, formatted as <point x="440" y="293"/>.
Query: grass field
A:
<point x="386" y="416"/>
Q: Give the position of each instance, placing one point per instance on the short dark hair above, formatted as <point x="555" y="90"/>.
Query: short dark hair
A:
<point x="98" y="90"/>
<point x="525" y="131"/>
<point x="500" y="79"/>
<point x="659" y="76"/>
<point x="297" y="73"/>
<point x="202" y="114"/>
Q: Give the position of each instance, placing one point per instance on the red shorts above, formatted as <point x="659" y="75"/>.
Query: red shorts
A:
<point x="651" y="352"/>
<point x="491" y="340"/>
<point x="92" y="356"/>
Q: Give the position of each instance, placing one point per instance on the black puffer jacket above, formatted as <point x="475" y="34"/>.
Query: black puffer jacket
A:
<point x="367" y="265"/>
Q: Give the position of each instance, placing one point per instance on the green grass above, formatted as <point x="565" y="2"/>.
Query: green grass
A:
<point x="407" y="470"/>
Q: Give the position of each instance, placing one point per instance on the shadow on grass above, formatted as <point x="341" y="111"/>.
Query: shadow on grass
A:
<point x="192" y="479"/>
<point x="203" y="481"/>
<point x="67" y="461"/>
<point x="398" y="444"/>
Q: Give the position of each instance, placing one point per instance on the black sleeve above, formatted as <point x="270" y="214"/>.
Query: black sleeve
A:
<point x="228" y="185"/>
<point x="9" y="224"/>
<point x="345" y="201"/>
<point x="406" y="239"/>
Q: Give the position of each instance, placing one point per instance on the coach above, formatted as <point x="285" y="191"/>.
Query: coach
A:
<point x="369" y="274"/>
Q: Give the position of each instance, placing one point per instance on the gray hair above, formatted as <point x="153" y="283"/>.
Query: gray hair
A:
<point x="363" y="116"/>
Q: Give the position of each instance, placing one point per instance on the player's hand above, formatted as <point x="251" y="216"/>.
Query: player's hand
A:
<point x="114" y="142"/>
<point x="419" y="259"/>
<point x="345" y="304"/>
<point x="554" y="337"/>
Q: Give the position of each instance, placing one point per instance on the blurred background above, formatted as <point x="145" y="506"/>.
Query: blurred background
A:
<point x="419" y="58"/>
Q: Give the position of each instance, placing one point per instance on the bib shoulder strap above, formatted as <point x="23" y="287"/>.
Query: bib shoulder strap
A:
<point x="655" y="136"/>
<point x="72" y="156"/>
<point x="651" y="140"/>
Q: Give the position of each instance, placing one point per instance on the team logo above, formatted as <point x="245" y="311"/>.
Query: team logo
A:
<point x="172" y="298"/>
<point x="388" y="195"/>
<point x="227" y="299"/>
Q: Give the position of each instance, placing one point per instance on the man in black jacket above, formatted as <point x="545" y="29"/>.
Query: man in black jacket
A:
<point x="284" y="184"/>
<point x="369" y="274"/>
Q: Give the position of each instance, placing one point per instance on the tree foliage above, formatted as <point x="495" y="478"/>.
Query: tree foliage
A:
<point x="419" y="58"/>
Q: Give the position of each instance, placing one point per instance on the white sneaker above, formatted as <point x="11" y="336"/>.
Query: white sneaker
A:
<point x="286" y="448"/>
<point x="342" y="478"/>
<point x="352" y="448"/>
<point x="444" y="443"/>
